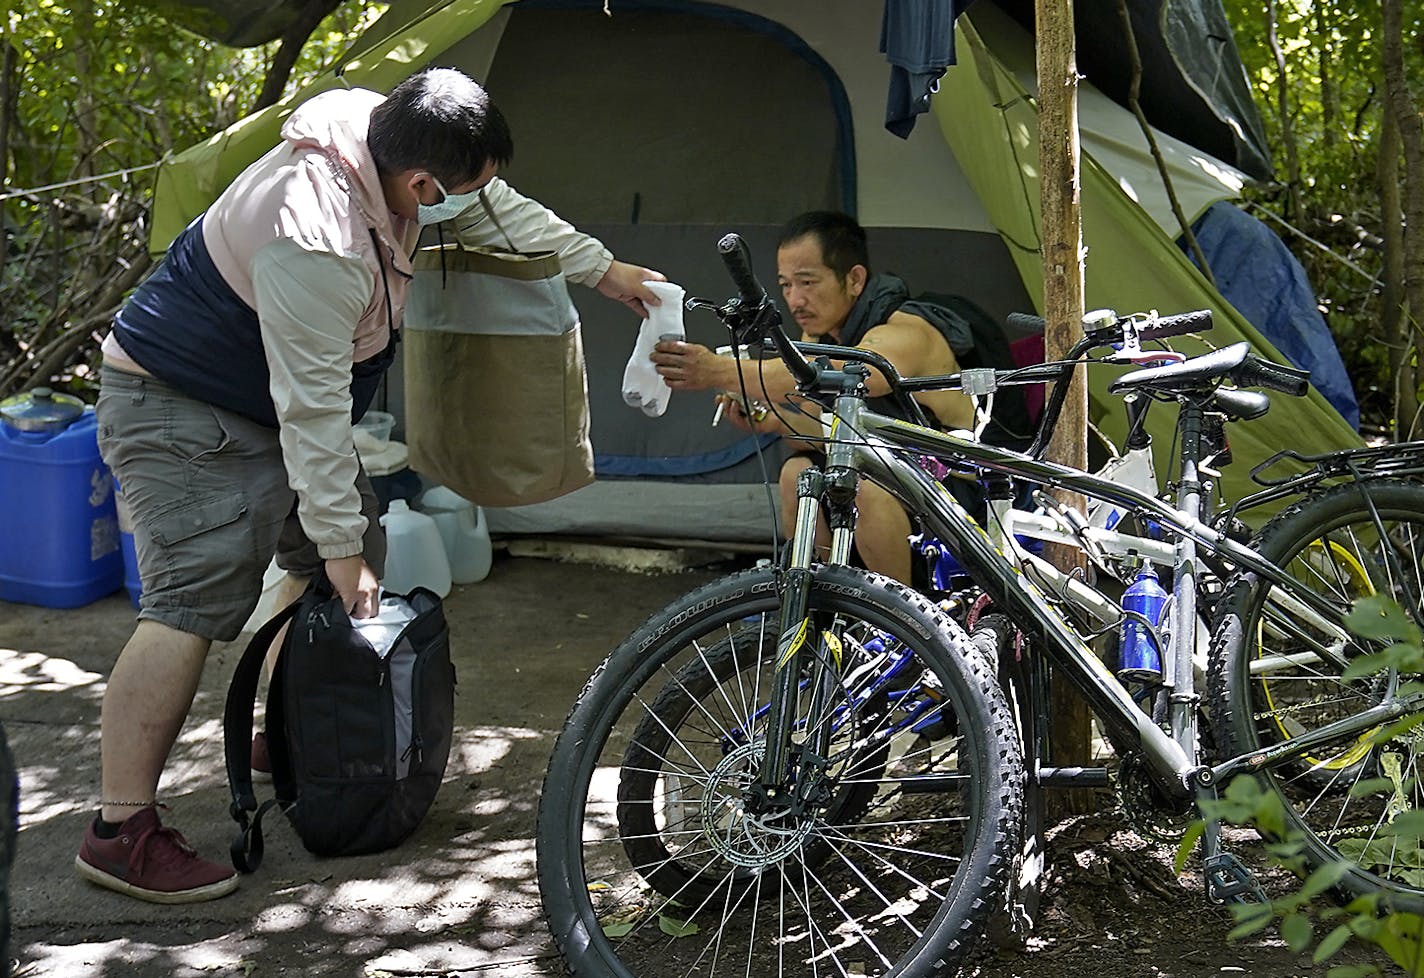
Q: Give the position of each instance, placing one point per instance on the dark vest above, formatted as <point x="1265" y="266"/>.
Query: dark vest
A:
<point x="187" y="327"/>
<point x="884" y="294"/>
<point x="977" y="341"/>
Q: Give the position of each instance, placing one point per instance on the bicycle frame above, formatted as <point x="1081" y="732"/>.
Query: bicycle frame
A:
<point x="865" y="442"/>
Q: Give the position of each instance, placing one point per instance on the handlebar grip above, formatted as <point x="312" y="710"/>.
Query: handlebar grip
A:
<point x="1255" y="372"/>
<point x="1026" y="322"/>
<point x="757" y="311"/>
<point x="739" y="266"/>
<point x="1198" y="321"/>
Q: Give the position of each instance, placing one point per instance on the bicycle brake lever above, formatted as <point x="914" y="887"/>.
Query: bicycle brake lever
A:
<point x="1074" y="522"/>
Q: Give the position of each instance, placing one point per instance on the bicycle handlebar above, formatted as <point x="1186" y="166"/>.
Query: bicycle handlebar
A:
<point x="1197" y="321"/>
<point x="1256" y="372"/>
<point x="1026" y="322"/>
<point x="1160" y="328"/>
<point x="755" y="313"/>
<point x="738" y="261"/>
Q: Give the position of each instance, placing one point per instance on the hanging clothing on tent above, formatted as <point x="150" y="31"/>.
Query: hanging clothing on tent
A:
<point x="917" y="38"/>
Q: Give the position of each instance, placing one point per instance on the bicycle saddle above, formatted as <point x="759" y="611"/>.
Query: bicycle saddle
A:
<point x="1238" y="405"/>
<point x="1189" y="375"/>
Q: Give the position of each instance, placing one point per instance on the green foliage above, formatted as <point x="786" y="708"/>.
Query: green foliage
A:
<point x="1301" y="920"/>
<point x="1333" y="85"/>
<point x="98" y="92"/>
<point x="145" y="86"/>
<point x="151" y="87"/>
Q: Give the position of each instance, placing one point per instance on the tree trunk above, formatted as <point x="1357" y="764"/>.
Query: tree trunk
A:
<point x="293" y="38"/>
<point x="1401" y="106"/>
<point x="1063" y="310"/>
<point x="1283" y="109"/>
<point x="1397" y="338"/>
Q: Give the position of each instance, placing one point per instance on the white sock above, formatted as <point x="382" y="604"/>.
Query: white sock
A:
<point x="643" y="386"/>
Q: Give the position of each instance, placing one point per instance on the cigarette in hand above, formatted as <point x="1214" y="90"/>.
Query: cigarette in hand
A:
<point x="721" y="407"/>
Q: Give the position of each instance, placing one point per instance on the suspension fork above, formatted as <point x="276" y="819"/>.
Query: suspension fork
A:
<point x="792" y="628"/>
<point x="835" y="485"/>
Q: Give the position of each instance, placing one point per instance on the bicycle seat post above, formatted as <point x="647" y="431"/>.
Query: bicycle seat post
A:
<point x="1181" y="678"/>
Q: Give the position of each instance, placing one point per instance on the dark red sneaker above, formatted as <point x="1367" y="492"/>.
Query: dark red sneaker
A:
<point x="261" y="761"/>
<point x="151" y="862"/>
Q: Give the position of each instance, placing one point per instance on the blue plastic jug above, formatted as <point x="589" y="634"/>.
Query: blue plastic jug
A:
<point x="59" y="531"/>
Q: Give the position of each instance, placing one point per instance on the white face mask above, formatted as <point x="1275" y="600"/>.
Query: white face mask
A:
<point x="452" y="206"/>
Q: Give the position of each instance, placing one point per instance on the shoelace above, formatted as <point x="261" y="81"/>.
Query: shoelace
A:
<point x="173" y="853"/>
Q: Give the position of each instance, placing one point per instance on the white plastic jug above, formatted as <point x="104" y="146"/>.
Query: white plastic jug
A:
<point x="415" y="554"/>
<point x="465" y="533"/>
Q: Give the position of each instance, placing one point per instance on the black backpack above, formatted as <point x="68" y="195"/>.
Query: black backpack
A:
<point x="1011" y="426"/>
<point x="358" y="741"/>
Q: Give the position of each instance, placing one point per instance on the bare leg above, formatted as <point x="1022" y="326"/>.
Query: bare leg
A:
<point x="882" y="533"/>
<point x="789" y="473"/>
<point x="147" y="699"/>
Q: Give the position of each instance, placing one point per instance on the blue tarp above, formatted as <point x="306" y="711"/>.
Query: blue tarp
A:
<point x="1257" y="274"/>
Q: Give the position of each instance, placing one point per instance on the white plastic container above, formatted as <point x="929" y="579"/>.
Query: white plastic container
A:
<point x="378" y="425"/>
<point x="464" y="531"/>
<point x="415" y="554"/>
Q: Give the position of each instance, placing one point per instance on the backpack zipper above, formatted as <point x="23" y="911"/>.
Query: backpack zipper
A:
<point x="314" y="616"/>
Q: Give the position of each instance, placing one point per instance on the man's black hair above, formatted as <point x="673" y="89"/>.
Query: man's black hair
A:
<point x="442" y="121"/>
<point x="842" y="240"/>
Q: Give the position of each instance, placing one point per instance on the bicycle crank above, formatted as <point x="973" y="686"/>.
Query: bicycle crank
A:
<point x="1151" y="813"/>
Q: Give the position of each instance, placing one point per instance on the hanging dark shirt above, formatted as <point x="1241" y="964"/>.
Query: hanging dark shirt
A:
<point x="917" y="38"/>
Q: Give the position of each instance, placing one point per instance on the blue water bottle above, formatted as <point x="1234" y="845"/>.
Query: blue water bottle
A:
<point x="1139" y="659"/>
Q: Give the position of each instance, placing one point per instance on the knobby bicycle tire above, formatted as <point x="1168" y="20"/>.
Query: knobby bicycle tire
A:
<point x="1266" y="684"/>
<point x="664" y="741"/>
<point x="1023" y="678"/>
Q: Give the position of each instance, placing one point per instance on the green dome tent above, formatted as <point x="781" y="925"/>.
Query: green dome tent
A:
<point x="663" y="125"/>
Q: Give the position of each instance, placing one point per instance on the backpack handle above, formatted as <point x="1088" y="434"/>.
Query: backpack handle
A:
<point x="237" y="741"/>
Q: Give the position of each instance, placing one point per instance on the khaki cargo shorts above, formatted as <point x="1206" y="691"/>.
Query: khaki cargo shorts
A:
<point x="207" y="498"/>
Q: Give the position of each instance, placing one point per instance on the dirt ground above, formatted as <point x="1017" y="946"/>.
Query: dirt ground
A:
<point x="459" y="899"/>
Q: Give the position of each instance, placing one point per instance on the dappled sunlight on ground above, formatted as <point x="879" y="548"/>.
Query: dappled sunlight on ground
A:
<point x="25" y="672"/>
<point x="459" y="897"/>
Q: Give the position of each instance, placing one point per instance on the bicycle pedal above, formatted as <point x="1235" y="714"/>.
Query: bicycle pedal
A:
<point x="1228" y="880"/>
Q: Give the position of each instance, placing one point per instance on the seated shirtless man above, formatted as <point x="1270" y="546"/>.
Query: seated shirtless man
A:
<point x="823" y="268"/>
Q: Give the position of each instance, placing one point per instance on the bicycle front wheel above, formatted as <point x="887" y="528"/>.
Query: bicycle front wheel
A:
<point x="899" y="811"/>
<point x="1278" y="672"/>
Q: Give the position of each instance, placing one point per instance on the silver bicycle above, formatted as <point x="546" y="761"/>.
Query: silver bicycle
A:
<point x="808" y="769"/>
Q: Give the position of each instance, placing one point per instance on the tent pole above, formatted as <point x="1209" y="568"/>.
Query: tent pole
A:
<point x="1062" y="230"/>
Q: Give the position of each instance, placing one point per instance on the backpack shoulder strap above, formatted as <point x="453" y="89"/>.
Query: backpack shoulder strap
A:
<point x="237" y="741"/>
<point x="1011" y="425"/>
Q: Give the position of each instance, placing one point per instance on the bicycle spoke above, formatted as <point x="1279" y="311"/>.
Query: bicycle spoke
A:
<point x="683" y="831"/>
<point x="1341" y="799"/>
<point x="886" y="864"/>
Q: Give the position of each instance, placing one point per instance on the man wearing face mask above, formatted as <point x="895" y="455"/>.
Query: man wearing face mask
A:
<point x="229" y="385"/>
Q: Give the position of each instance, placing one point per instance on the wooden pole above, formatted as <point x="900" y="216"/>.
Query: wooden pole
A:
<point x="1062" y="236"/>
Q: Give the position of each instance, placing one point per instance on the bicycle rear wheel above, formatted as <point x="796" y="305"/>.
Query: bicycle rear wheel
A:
<point x="1276" y="675"/>
<point x="654" y="861"/>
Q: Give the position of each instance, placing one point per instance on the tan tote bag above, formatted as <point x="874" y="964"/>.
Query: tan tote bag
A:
<point x="496" y="393"/>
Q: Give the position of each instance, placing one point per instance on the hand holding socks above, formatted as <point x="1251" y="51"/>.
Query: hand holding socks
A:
<point x="643" y="386"/>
